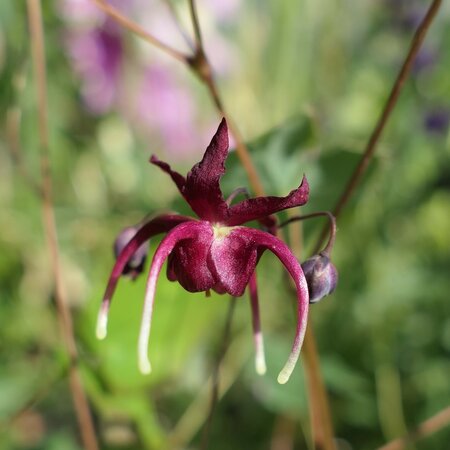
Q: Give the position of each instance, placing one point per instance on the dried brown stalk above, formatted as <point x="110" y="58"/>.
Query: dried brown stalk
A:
<point x="64" y="316"/>
<point x="426" y="428"/>
<point x="319" y="408"/>
<point x="199" y="64"/>
<point x="138" y="30"/>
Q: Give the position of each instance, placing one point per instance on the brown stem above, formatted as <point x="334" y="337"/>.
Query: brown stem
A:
<point x="416" y="43"/>
<point x="331" y="218"/>
<point x="200" y="66"/>
<point x="137" y="29"/>
<point x="322" y="427"/>
<point x="309" y="350"/>
<point x="173" y="14"/>
<point x="215" y="376"/>
<point x="64" y="316"/>
<point x="426" y="428"/>
<point x="319" y="409"/>
<point x="195" y="24"/>
<point x="283" y="434"/>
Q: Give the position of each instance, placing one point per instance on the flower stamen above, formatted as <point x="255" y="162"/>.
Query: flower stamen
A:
<point x="221" y="231"/>
<point x="260" y="359"/>
<point x="183" y="231"/>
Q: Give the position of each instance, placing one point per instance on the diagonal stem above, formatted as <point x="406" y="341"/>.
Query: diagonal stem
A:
<point x="64" y="316"/>
<point x="369" y="151"/>
<point x="195" y="24"/>
<point x="319" y="408"/>
<point x="310" y="353"/>
<point x="137" y="29"/>
<point x="426" y="428"/>
<point x="329" y="246"/>
<point x="200" y="65"/>
<point x="173" y="14"/>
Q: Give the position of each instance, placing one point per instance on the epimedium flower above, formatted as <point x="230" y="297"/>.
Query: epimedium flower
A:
<point x="214" y="251"/>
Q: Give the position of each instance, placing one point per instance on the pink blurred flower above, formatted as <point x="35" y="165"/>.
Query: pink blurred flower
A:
<point x="97" y="57"/>
<point x="164" y="105"/>
<point x="159" y="102"/>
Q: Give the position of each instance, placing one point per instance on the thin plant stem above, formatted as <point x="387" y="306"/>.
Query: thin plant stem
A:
<point x="182" y="32"/>
<point x="319" y="409"/>
<point x="63" y="312"/>
<point x="215" y="380"/>
<point x="283" y="434"/>
<point x="388" y="108"/>
<point x="309" y="344"/>
<point x="426" y="428"/>
<point x="321" y="423"/>
<point x="200" y="65"/>
<point x="195" y="24"/>
<point x="331" y="218"/>
<point x="138" y="30"/>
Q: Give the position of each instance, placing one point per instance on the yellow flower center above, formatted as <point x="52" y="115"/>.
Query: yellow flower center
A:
<point x="220" y="231"/>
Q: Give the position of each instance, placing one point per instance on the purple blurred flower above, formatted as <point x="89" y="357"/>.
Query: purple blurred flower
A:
<point x="159" y="102"/>
<point x="166" y="106"/>
<point x="214" y="251"/>
<point x="406" y="14"/>
<point x="425" y="60"/>
<point x="97" y="58"/>
<point x="95" y="45"/>
<point x="437" y="120"/>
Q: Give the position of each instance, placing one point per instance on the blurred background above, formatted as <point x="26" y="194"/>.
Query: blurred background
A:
<point x="305" y="82"/>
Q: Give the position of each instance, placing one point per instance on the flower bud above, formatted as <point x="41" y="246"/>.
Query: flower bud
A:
<point x="321" y="276"/>
<point x="136" y="263"/>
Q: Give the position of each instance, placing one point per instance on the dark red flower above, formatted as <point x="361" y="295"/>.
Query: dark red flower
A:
<point x="214" y="251"/>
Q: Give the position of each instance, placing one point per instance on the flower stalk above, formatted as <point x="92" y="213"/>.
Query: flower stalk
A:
<point x="81" y="405"/>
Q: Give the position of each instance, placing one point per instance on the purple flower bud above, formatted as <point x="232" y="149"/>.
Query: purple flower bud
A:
<point x="321" y="276"/>
<point x="135" y="264"/>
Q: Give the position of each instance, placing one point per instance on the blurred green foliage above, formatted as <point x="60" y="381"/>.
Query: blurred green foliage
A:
<point x="312" y="79"/>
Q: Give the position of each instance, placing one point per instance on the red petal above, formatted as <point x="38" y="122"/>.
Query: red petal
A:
<point x="233" y="259"/>
<point x="260" y="207"/>
<point x="202" y="188"/>
<point x="177" y="178"/>
<point x="188" y="261"/>
<point x="263" y="240"/>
